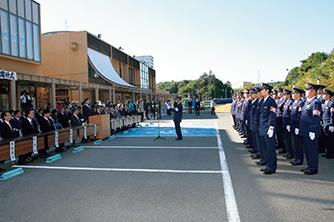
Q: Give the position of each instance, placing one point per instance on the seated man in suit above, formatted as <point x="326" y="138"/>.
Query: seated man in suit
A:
<point x="39" y="115"/>
<point x="63" y="118"/>
<point x="75" y="120"/>
<point x="17" y="122"/>
<point x="6" y="127"/>
<point x="113" y="114"/>
<point x="46" y="126"/>
<point x="29" y="127"/>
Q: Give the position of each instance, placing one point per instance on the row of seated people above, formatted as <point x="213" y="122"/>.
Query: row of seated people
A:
<point x="19" y="125"/>
<point x="11" y="127"/>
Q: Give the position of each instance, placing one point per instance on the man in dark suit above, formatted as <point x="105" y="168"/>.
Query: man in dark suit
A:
<point x="29" y="126"/>
<point x="17" y="122"/>
<point x="86" y="110"/>
<point x="197" y="106"/>
<point x="75" y="120"/>
<point x="6" y="128"/>
<point x="39" y="115"/>
<point x="63" y="118"/>
<point x="177" y="117"/>
<point x="46" y="125"/>
<point x="153" y="104"/>
<point x="146" y="109"/>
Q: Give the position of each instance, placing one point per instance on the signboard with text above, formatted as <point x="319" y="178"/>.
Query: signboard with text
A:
<point x="8" y="75"/>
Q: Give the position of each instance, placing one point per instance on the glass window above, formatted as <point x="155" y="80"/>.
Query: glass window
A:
<point x="22" y="38"/>
<point x="37" y="53"/>
<point x="13" y="34"/>
<point x="28" y="10"/>
<point x="30" y="50"/>
<point x="35" y="13"/>
<point x="3" y="4"/>
<point x="4" y="32"/>
<point x="12" y="6"/>
<point x="20" y="8"/>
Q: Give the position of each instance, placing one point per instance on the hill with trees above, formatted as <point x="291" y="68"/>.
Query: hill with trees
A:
<point x="205" y="83"/>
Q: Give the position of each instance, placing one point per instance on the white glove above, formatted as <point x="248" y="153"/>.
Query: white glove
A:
<point x="331" y="128"/>
<point x="312" y="135"/>
<point x="288" y="128"/>
<point x="176" y="109"/>
<point x="246" y="122"/>
<point x="270" y="132"/>
<point x="296" y="131"/>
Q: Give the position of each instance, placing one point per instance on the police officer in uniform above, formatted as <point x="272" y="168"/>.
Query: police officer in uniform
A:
<point x="268" y="113"/>
<point x="286" y="117"/>
<point x="309" y="128"/>
<point x="327" y="134"/>
<point x="256" y="96"/>
<point x="280" y="135"/>
<point x="232" y="110"/>
<point x="297" y="142"/>
<point x="256" y="129"/>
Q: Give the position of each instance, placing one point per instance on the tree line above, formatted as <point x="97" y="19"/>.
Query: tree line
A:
<point x="206" y="84"/>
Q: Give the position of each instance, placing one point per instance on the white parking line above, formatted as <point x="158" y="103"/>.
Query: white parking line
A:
<point x="231" y="203"/>
<point x="147" y="147"/>
<point x="120" y="169"/>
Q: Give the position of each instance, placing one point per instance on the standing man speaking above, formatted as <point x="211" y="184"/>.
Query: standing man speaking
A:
<point x="177" y="116"/>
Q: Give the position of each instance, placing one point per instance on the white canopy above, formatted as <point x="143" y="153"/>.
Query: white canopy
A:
<point x="102" y="65"/>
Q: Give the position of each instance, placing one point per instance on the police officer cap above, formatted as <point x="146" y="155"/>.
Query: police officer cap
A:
<point x="280" y="89"/>
<point x="296" y="90"/>
<point x="247" y="90"/>
<point x="178" y="97"/>
<point x="287" y="91"/>
<point x="327" y="91"/>
<point x="257" y="89"/>
<point x="240" y="93"/>
<point x="311" y="86"/>
<point x="252" y="90"/>
<point x="274" y="91"/>
<point x="266" y="86"/>
<point x="321" y="86"/>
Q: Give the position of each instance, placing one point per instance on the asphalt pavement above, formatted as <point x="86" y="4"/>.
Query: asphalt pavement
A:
<point x="134" y="178"/>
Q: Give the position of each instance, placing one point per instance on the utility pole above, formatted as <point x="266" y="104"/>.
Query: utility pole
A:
<point x="199" y="99"/>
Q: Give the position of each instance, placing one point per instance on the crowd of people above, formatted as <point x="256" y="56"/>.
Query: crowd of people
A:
<point x="28" y="121"/>
<point x="297" y="121"/>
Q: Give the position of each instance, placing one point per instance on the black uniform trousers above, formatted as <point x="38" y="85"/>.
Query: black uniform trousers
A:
<point x="288" y="142"/>
<point x="297" y="145"/>
<point x="178" y="130"/>
<point x="311" y="153"/>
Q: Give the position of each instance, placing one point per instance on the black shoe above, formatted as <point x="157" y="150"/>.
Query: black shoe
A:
<point x="256" y="157"/>
<point x="323" y="155"/>
<point x="243" y="136"/>
<point x="249" y="147"/>
<point x="321" y="151"/>
<point x="295" y="163"/>
<point x="329" y="157"/>
<point x="268" y="172"/>
<point x="310" y="172"/>
<point x="252" y="155"/>
<point x="282" y="151"/>
<point x="303" y="170"/>
<point x="263" y="169"/>
<point x="251" y="151"/>
<point x="27" y="160"/>
<point x="178" y="138"/>
<point x="289" y="157"/>
<point x="2" y="170"/>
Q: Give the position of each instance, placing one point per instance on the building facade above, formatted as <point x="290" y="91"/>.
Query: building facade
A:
<point x="63" y="66"/>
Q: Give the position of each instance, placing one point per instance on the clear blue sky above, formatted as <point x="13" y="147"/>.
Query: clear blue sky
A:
<point x="234" y="39"/>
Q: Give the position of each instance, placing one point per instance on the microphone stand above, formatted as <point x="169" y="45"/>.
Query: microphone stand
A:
<point x="159" y="137"/>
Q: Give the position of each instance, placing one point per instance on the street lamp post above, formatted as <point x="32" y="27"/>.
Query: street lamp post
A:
<point x="119" y="59"/>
